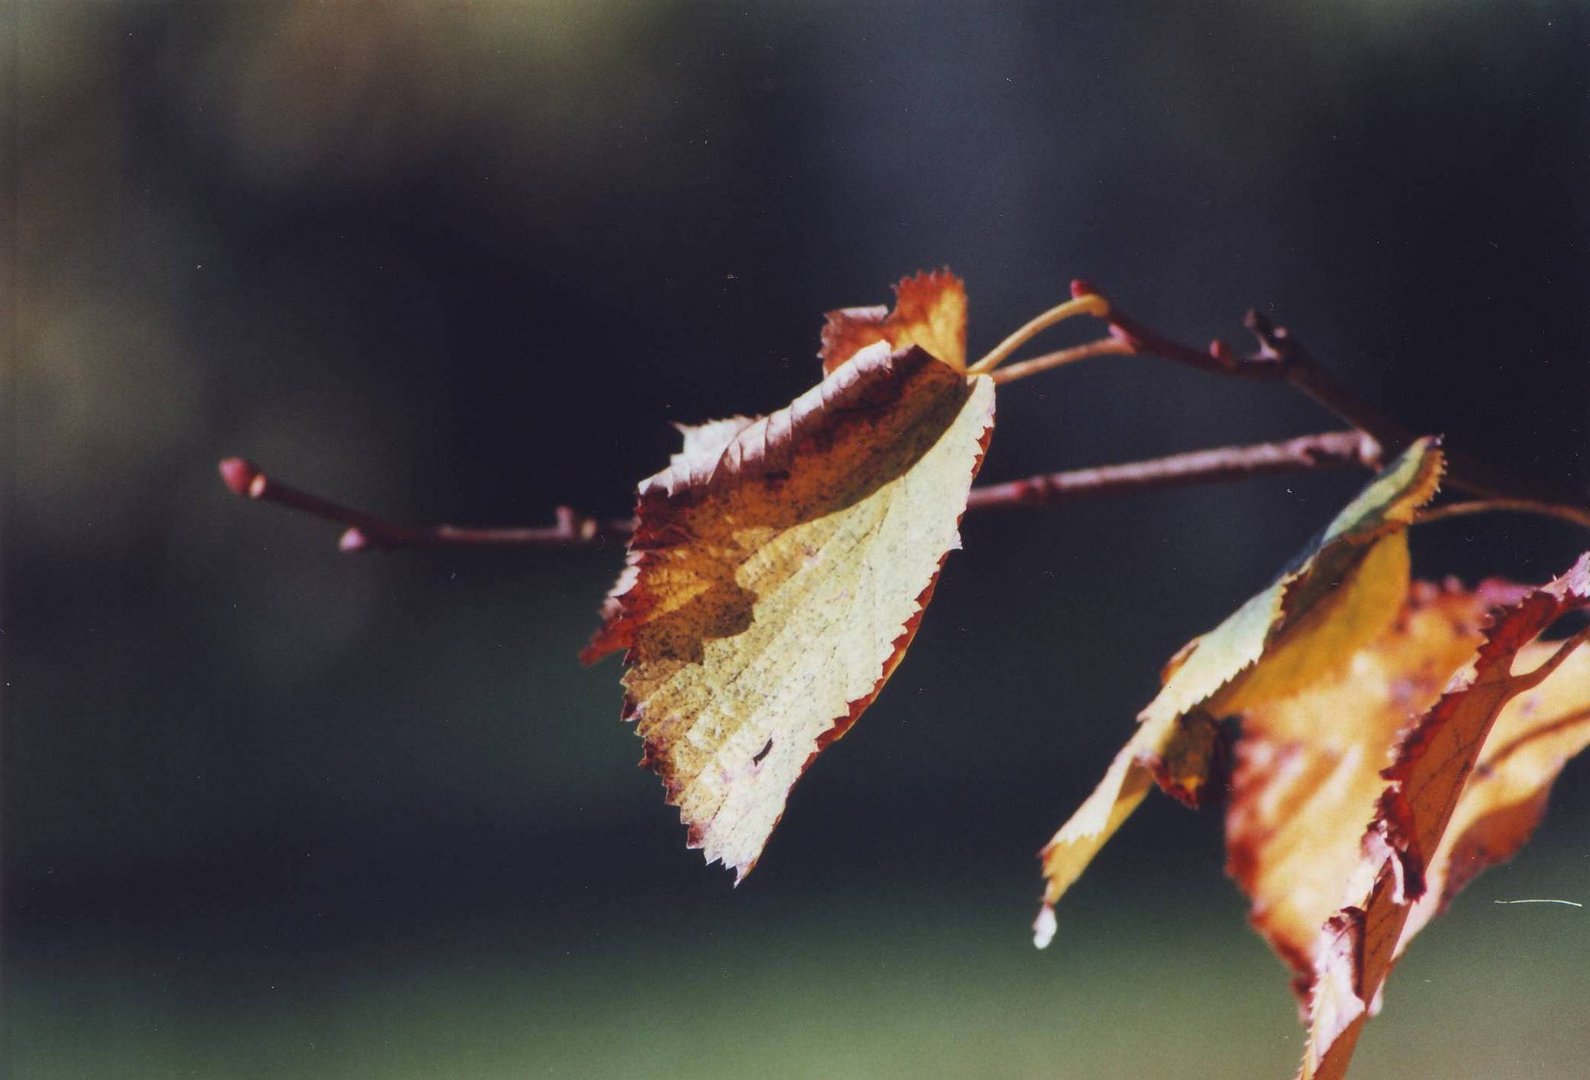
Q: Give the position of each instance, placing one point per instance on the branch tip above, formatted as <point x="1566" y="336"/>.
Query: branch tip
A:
<point x="574" y="525"/>
<point x="243" y="477"/>
<point x="1275" y="342"/>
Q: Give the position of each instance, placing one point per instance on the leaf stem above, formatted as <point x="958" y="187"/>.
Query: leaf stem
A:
<point x="1562" y="512"/>
<point x="1534" y="678"/>
<point x="1059" y="358"/>
<point x="1079" y="305"/>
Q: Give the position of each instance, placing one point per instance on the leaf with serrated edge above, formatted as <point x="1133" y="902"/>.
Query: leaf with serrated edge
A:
<point x="929" y="310"/>
<point x="1537" y="733"/>
<point x="1433" y="765"/>
<point x="1307" y="767"/>
<point x="1338" y="595"/>
<point x="702" y="442"/>
<point x="777" y="578"/>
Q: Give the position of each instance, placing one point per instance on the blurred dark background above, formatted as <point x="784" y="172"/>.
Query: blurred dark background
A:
<point x="274" y="812"/>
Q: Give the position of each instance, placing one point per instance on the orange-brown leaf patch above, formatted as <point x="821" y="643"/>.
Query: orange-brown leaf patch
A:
<point x="1307" y="767"/>
<point x="1431" y="772"/>
<point x="929" y="310"/>
<point x="1537" y="733"/>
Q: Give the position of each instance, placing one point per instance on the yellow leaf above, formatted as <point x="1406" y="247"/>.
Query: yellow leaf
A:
<point x="777" y="573"/>
<point x="1333" y="599"/>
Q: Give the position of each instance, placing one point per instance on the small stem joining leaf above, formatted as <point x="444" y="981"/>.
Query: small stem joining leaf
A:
<point x="1059" y="358"/>
<point x="1089" y="304"/>
<point x="1574" y="515"/>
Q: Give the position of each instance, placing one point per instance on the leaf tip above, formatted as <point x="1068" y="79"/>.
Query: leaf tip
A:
<point x="1043" y="927"/>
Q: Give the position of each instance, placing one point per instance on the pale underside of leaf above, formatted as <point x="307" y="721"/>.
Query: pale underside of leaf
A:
<point x="704" y="442"/>
<point x="1337" y="596"/>
<point x="777" y="579"/>
<point x="1434" y="768"/>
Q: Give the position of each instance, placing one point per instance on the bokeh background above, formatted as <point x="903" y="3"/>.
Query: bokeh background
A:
<point x="274" y="812"/>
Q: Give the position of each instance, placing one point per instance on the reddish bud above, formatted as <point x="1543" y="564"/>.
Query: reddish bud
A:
<point x="353" y="539"/>
<point x="242" y="477"/>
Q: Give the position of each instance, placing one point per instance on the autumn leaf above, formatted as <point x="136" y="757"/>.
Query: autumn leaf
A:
<point x="1422" y="842"/>
<point x="929" y="310"/>
<point x="1537" y="733"/>
<point x="778" y="571"/>
<point x="1306" y="775"/>
<point x="1335" y="597"/>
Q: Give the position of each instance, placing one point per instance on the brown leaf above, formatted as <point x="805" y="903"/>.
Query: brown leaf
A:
<point x="1505" y="798"/>
<point x="778" y="571"/>
<point x="1338" y="595"/>
<point x="1307" y="767"/>
<point x="929" y="310"/>
<point x="1429" y="774"/>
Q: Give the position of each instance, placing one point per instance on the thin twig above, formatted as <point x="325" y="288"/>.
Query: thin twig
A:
<point x="571" y="528"/>
<point x="1278" y="357"/>
<point x="1281" y="357"/>
<point x="1331" y="450"/>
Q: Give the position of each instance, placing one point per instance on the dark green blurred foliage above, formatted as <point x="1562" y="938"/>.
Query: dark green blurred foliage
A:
<point x="273" y="812"/>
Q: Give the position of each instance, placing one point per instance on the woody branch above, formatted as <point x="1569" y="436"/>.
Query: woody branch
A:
<point x="1278" y="357"/>
<point x="572" y="528"/>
